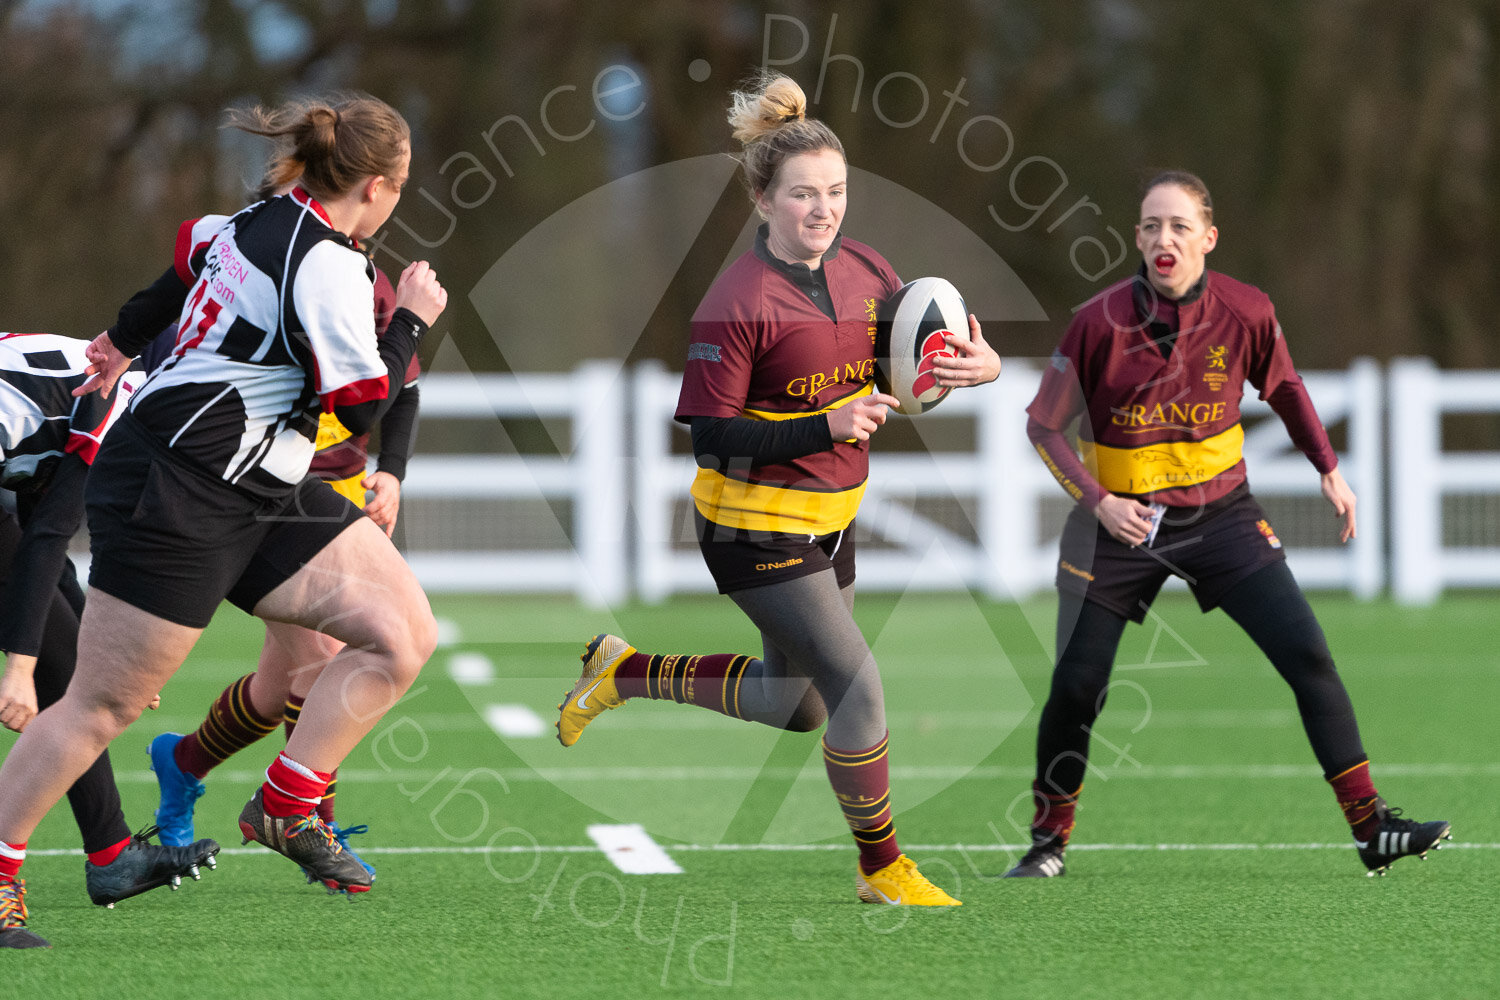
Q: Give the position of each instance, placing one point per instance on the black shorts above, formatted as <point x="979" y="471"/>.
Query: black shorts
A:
<point x="175" y="541"/>
<point x="1212" y="548"/>
<point x="740" y="559"/>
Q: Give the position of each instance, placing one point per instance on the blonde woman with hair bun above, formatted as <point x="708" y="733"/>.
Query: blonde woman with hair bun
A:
<point x="778" y="392"/>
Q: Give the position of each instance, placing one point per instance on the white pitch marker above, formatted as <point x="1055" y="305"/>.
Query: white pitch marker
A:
<point x="630" y="848"/>
<point x="515" y="721"/>
<point x="448" y="632"/>
<point x="470" y="668"/>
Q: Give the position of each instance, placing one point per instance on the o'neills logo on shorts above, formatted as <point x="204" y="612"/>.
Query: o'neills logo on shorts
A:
<point x="762" y="567"/>
<point x="1068" y="567"/>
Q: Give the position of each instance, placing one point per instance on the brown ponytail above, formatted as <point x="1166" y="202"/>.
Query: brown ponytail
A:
<point x="330" y="145"/>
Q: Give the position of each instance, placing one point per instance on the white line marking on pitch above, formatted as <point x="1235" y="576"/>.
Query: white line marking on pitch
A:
<point x="471" y="668"/>
<point x="630" y="848"/>
<point x="794" y="848"/>
<point x="1187" y="772"/>
<point x="514" y="721"/>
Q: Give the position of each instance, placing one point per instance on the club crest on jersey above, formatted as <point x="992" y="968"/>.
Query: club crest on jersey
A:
<point x="1270" y="535"/>
<point x="1218" y="367"/>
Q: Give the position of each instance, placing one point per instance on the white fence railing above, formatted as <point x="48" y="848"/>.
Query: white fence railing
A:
<point x="972" y="457"/>
<point x="592" y="401"/>
<point x="1422" y="562"/>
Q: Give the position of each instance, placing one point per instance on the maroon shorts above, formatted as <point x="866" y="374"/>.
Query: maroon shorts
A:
<point x="1212" y="547"/>
<point x="740" y="559"/>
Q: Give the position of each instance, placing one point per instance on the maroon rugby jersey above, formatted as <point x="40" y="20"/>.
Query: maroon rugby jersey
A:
<point x="1166" y="423"/>
<point x="341" y="455"/>
<point x="762" y="349"/>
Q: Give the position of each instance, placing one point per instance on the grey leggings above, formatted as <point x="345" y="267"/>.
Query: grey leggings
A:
<point x="816" y="663"/>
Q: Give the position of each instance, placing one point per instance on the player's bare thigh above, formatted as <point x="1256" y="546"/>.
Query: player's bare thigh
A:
<point x="125" y="657"/>
<point x="290" y="661"/>
<point x="360" y="591"/>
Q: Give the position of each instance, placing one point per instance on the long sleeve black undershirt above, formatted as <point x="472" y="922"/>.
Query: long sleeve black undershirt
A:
<point x="149" y="311"/>
<point x="720" y="441"/>
<point x="398" y="431"/>
<point x="49" y="519"/>
<point x="396" y="348"/>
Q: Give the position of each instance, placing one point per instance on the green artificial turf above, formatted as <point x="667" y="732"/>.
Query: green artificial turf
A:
<point x="1210" y="859"/>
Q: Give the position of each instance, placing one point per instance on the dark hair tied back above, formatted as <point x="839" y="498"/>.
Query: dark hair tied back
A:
<point x="329" y="145"/>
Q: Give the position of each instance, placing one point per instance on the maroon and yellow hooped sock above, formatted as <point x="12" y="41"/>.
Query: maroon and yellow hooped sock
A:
<point x="861" y="782"/>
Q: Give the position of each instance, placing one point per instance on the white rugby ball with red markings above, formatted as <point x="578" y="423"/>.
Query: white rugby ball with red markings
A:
<point x="909" y="335"/>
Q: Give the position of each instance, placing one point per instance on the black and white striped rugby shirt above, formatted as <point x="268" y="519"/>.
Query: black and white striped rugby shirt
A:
<point x="40" y="420"/>
<point x="278" y="325"/>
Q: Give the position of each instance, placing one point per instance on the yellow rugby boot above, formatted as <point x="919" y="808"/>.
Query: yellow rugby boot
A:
<point x="900" y="884"/>
<point x="595" y="691"/>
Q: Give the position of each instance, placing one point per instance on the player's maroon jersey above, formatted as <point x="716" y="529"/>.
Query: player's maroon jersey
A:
<point x="341" y="454"/>
<point x="1162" y="422"/>
<point x="761" y="348"/>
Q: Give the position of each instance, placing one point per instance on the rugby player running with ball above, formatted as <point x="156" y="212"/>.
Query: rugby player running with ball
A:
<point x="782" y="461"/>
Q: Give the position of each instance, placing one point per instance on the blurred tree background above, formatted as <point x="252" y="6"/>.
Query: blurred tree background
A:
<point x="1350" y="146"/>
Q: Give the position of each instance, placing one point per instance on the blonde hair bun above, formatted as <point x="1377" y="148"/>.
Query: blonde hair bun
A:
<point x="773" y="102"/>
<point x="768" y="116"/>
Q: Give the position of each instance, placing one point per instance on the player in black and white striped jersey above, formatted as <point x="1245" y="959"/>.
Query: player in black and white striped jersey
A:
<point x="201" y="492"/>
<point x="48" y="439"/>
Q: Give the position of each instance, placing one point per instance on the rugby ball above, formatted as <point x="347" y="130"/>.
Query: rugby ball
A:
<point x="909" y="334"/>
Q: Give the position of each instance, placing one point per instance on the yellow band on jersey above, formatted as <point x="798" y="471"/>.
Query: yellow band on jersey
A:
<point x="352" y="488"/>
<point x="756" y="507"/>
<point x="330" y="432"/>
<point x="1163" y="466"/>
<point x="860" y="393"/>
<point x="759" y="507"/>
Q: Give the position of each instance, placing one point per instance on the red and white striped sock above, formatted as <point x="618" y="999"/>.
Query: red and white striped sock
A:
<point x="11" y="856"/>
<point x="292" y="789"/>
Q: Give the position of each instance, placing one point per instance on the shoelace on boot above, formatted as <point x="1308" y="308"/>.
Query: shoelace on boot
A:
<point x="13" y="904"/>
<point x="314" y="822"/>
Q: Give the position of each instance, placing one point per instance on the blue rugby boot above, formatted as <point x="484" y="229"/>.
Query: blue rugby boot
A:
<point x="180" y="793"/>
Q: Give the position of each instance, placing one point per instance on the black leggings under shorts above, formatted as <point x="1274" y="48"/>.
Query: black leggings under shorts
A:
<point x="176" y="541"/>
